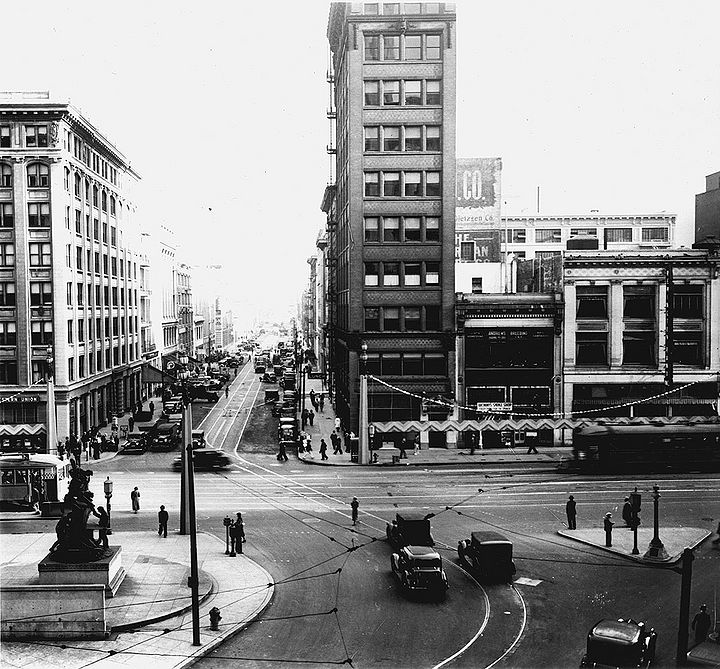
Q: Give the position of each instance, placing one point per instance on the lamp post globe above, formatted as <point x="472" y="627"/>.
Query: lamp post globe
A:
<point x="108" y="489"/>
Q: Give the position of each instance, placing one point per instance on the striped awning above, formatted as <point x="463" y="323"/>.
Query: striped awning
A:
<point x="23" y="429"/>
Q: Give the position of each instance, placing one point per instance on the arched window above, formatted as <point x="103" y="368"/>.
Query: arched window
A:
<point x="112" y="205"/>
<point x="77" y="185"/>
<point x="38" y="175"/>
<point x="87" y="191"/>
<point x="104" y="201"/>
<point x="67" y="180"/>
<point x="95" y="196"/>
<point x="5" y="175"/>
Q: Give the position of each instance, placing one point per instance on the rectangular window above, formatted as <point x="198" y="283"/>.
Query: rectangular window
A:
<point x="371" y="8"/>
<point x="6" y="176"/>
<point x="39" y="215"/>
<point x="372" y="273"/>
<point x="372" y="47"/>
<point x="432" y="273"/>
<point x="687" y="301"/>
<point x="391" y="184"/>
<point x="69" y="295"/>
<point x="583" y="232"/>
<point x="97" y="262"/>
<point x="391" y="319"/>
<point x="413" y="184"/>
<point x="411" y="225"/>
<point x="372" y="184"/>
<point x="372" y="93"/>
<point x="412" y="319"/>
<point x="413" y="47"/>
<point x="477" y="284"/>
<point x="4" y="137"/>
<point x="639" y="347"/>
<point x="36" y="135"/>
<point x="391" y="138"/>
<point x="433" y="94"/>
<point x="412" y="362"/>
<point x="372" y="138"/>
<point x="432" y="317"/>
<point x="432" y="229"/>
<point x="372" y="318"/>
<point x="391" y="92"/>
<point x="413" y="93"/>
<point x="7" y="255"/>
<point x="7" y="294"/>
<point x="37" y="371"/>
<point x="413" y="138"/>
<point x="432" y="47"/>
<point x="391" y="229"/>
<point x="467" y="251"/>
<point x="618" y="235"/>
<point x="639" y="302"/>
<point x="7" y="216"/>
<point x="81" y="331"/>
<point x="591" y="302"/>
<point x="687" y="348"/>
<point x="372" y="229"/>
<point x="105" y="264"/>
<point x="113" y="266"/>
<point x="40" y="255"/>
<point x="8" y="373"/>
<point x="96" y="229"/>
<point x="78" y="258"/>
<point x="41" y="333"/>
<point x="71" y="369"/>
<point x="391" y="274"/>
<point x="655" y="234"/>
<point x="432" y="184"/>
<point x="40" y="293"/>
<point x="70" y="331"/>
<point x="548" y="236"/>
<point x="391" y="47"/>
<point x="591" y="348"/>
<point x="435" y="364"/>
<point x="432" y="138"/>
<point x="8" y="333"/>
<point x="412" y="274"/>
<point x="80" y="294"/>
<point x="391" y="8"/>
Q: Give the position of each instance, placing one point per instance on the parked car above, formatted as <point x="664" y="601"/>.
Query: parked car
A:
<point x="173" y="406"/>
<point x="136" y="443"/>
<point x="272" y="396"/>
<point x="269" y="377"/>
<point x="164" y="436"/>
<point x="419" y="569"/>
<point x="620" y="643"/>
<point x="198" y="439"/>
<point x="201" y="393"/>
<point x="409" y="529"/>
<point x="204" y="459"/>
<point x="488" y="555"/>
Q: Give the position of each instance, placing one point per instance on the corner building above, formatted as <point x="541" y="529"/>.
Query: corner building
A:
<point x="68" y="273"/>
<point x="391" y="208"/>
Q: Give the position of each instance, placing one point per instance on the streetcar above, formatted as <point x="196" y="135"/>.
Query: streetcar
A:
<point x="650" y="447"/>
<point x="32" y="478"/>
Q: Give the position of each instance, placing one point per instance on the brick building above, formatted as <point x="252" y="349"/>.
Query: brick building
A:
<point x="390" y="208"/>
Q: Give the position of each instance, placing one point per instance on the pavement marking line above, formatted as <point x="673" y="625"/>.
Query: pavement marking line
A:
<point x="243" y="377"/>
<point x="247" y="418"/>
<point x="231" y="422"/>
<point x="227" y="408"/>
<point x="520" y="633"/>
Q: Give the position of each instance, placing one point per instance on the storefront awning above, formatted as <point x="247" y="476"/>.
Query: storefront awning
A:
<point x="22" y="430"/>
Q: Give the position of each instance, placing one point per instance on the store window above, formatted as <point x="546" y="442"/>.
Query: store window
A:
<point x="591" y="348"/>
<point x="639" y="302"/>
<point x="639" y="347"/>
<point x="591" y="302"/>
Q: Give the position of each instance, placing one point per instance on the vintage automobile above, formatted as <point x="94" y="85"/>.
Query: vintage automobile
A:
<point x="173" y="406"/>
<point x="136" y="443"/>
<point x="419" y="569"/>
<point x="619" y="643"/>
<point x="198" y="439"/>
<point x="272" y="396"/>
<point x="409" y="529"/>
<point x="269" y="377"/>
<point x="205" y="459"/>
<point x="164" y="436"/>
<point x="202" y="394"/>
<point x="488" y="555"/>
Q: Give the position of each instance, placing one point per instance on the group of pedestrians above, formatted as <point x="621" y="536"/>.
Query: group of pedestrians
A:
<point x="92" y="442"/>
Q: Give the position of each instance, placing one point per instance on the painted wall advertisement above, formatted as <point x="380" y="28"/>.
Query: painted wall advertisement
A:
<point x="477" y="193"/>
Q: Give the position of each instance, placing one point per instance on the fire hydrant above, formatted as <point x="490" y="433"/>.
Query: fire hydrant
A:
<point x="215" y="618"/>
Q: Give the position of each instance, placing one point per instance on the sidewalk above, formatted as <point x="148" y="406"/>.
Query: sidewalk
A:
<point x="324" y="424"/>
<point x="153" y="601"/>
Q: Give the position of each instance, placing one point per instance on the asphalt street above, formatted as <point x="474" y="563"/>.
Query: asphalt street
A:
<point x="335" y="598"/>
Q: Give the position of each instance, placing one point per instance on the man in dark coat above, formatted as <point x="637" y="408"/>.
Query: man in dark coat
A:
<point x="163" y="518"/>
<point x="701" y="624"/>
<point x="571" y="512"/>
<point x="608" y="526"/>
<point x="627" y="513"/>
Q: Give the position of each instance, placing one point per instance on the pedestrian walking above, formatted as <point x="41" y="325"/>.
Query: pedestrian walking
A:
<point x="416" y="444"/>
<point x="312" y="396"/>
<point x="403" y="446"/>
<point x="227" y="392"/>
<point x="532" y="448"/>
<point x="61" y="450"/>
<point x="323" y="450"/>
<point x="627" y="513"/>
<point x="308" y="443"/>
<point x="335" y="440"/>
<point x="321" y="402"/>
<point x="304" y="418"/>
<point x="282" y="455"/>
<point x="163" y="518"/>
<point x="103" y="525"/>
<point x="96" y="449"/>
<point x="151" y="406"/>
<point x="311" y="416"/>
<point x="608" y="526"/>
<point x="354" y="505"/>
<point x="571" y="512"/>
<point x="135" y="499"/>
<point x="701" y="624"/>
<point x="131" y="424"/>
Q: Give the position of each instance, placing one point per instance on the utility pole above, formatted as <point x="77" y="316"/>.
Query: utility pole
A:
<point x="656" y="549"/>
<point x="669" y="333"/>
<point x="364" y="428"/>
<point x="193" y="579"/>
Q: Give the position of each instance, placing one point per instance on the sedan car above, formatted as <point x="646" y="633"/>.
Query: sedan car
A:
<point x="136" y="443"/>
<point x="206" y="459"/>
<point x="419" y="569"/>
<point x="619" y="643"/>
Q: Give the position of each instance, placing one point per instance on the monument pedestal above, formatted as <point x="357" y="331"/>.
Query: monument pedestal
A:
<point x="107" y="571"/>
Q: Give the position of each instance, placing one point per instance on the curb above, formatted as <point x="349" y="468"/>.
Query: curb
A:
<point x="552" y="465"/>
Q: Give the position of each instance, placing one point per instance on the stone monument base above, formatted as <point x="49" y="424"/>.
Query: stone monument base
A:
<point x="107" y="571"/>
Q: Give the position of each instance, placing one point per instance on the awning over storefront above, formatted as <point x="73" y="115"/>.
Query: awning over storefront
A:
<point x="154" y="375"/>
<point x="22" y="430"/>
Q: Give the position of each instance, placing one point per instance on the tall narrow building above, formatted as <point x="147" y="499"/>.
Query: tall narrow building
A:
<point x="69" y="275"/>
<point x="390" y="205"/>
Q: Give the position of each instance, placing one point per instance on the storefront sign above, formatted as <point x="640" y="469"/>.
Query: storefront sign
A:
<point x="494" y="407"/>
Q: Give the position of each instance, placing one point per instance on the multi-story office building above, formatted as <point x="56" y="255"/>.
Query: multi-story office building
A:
<point x="707" y="211"/>
<point x="390" y="249"/>
<point x="186" y="322"/>
<point x="68" y="272"/>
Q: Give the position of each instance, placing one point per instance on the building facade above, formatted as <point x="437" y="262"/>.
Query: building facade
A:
<point x="707" y="211"/>
<point x="69" y="275"/>
<point x="390" y="233"/>
<point x="186" y="320"/>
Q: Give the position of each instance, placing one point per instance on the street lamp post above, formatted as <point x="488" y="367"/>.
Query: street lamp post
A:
<point x="656" y="550"/>
<point x="51" y="425"/>
<point x="108" y="488"/>
<point x="364" y="445"/>
<point x="226" y="522"/>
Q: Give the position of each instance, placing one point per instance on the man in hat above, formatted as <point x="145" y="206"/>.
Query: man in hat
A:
<point x="701" y="624"/>
<point x="571" y="512"/>
<point x="608" y="525"/>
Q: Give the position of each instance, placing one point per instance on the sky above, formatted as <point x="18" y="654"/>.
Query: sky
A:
<point x="220" y="107"/>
